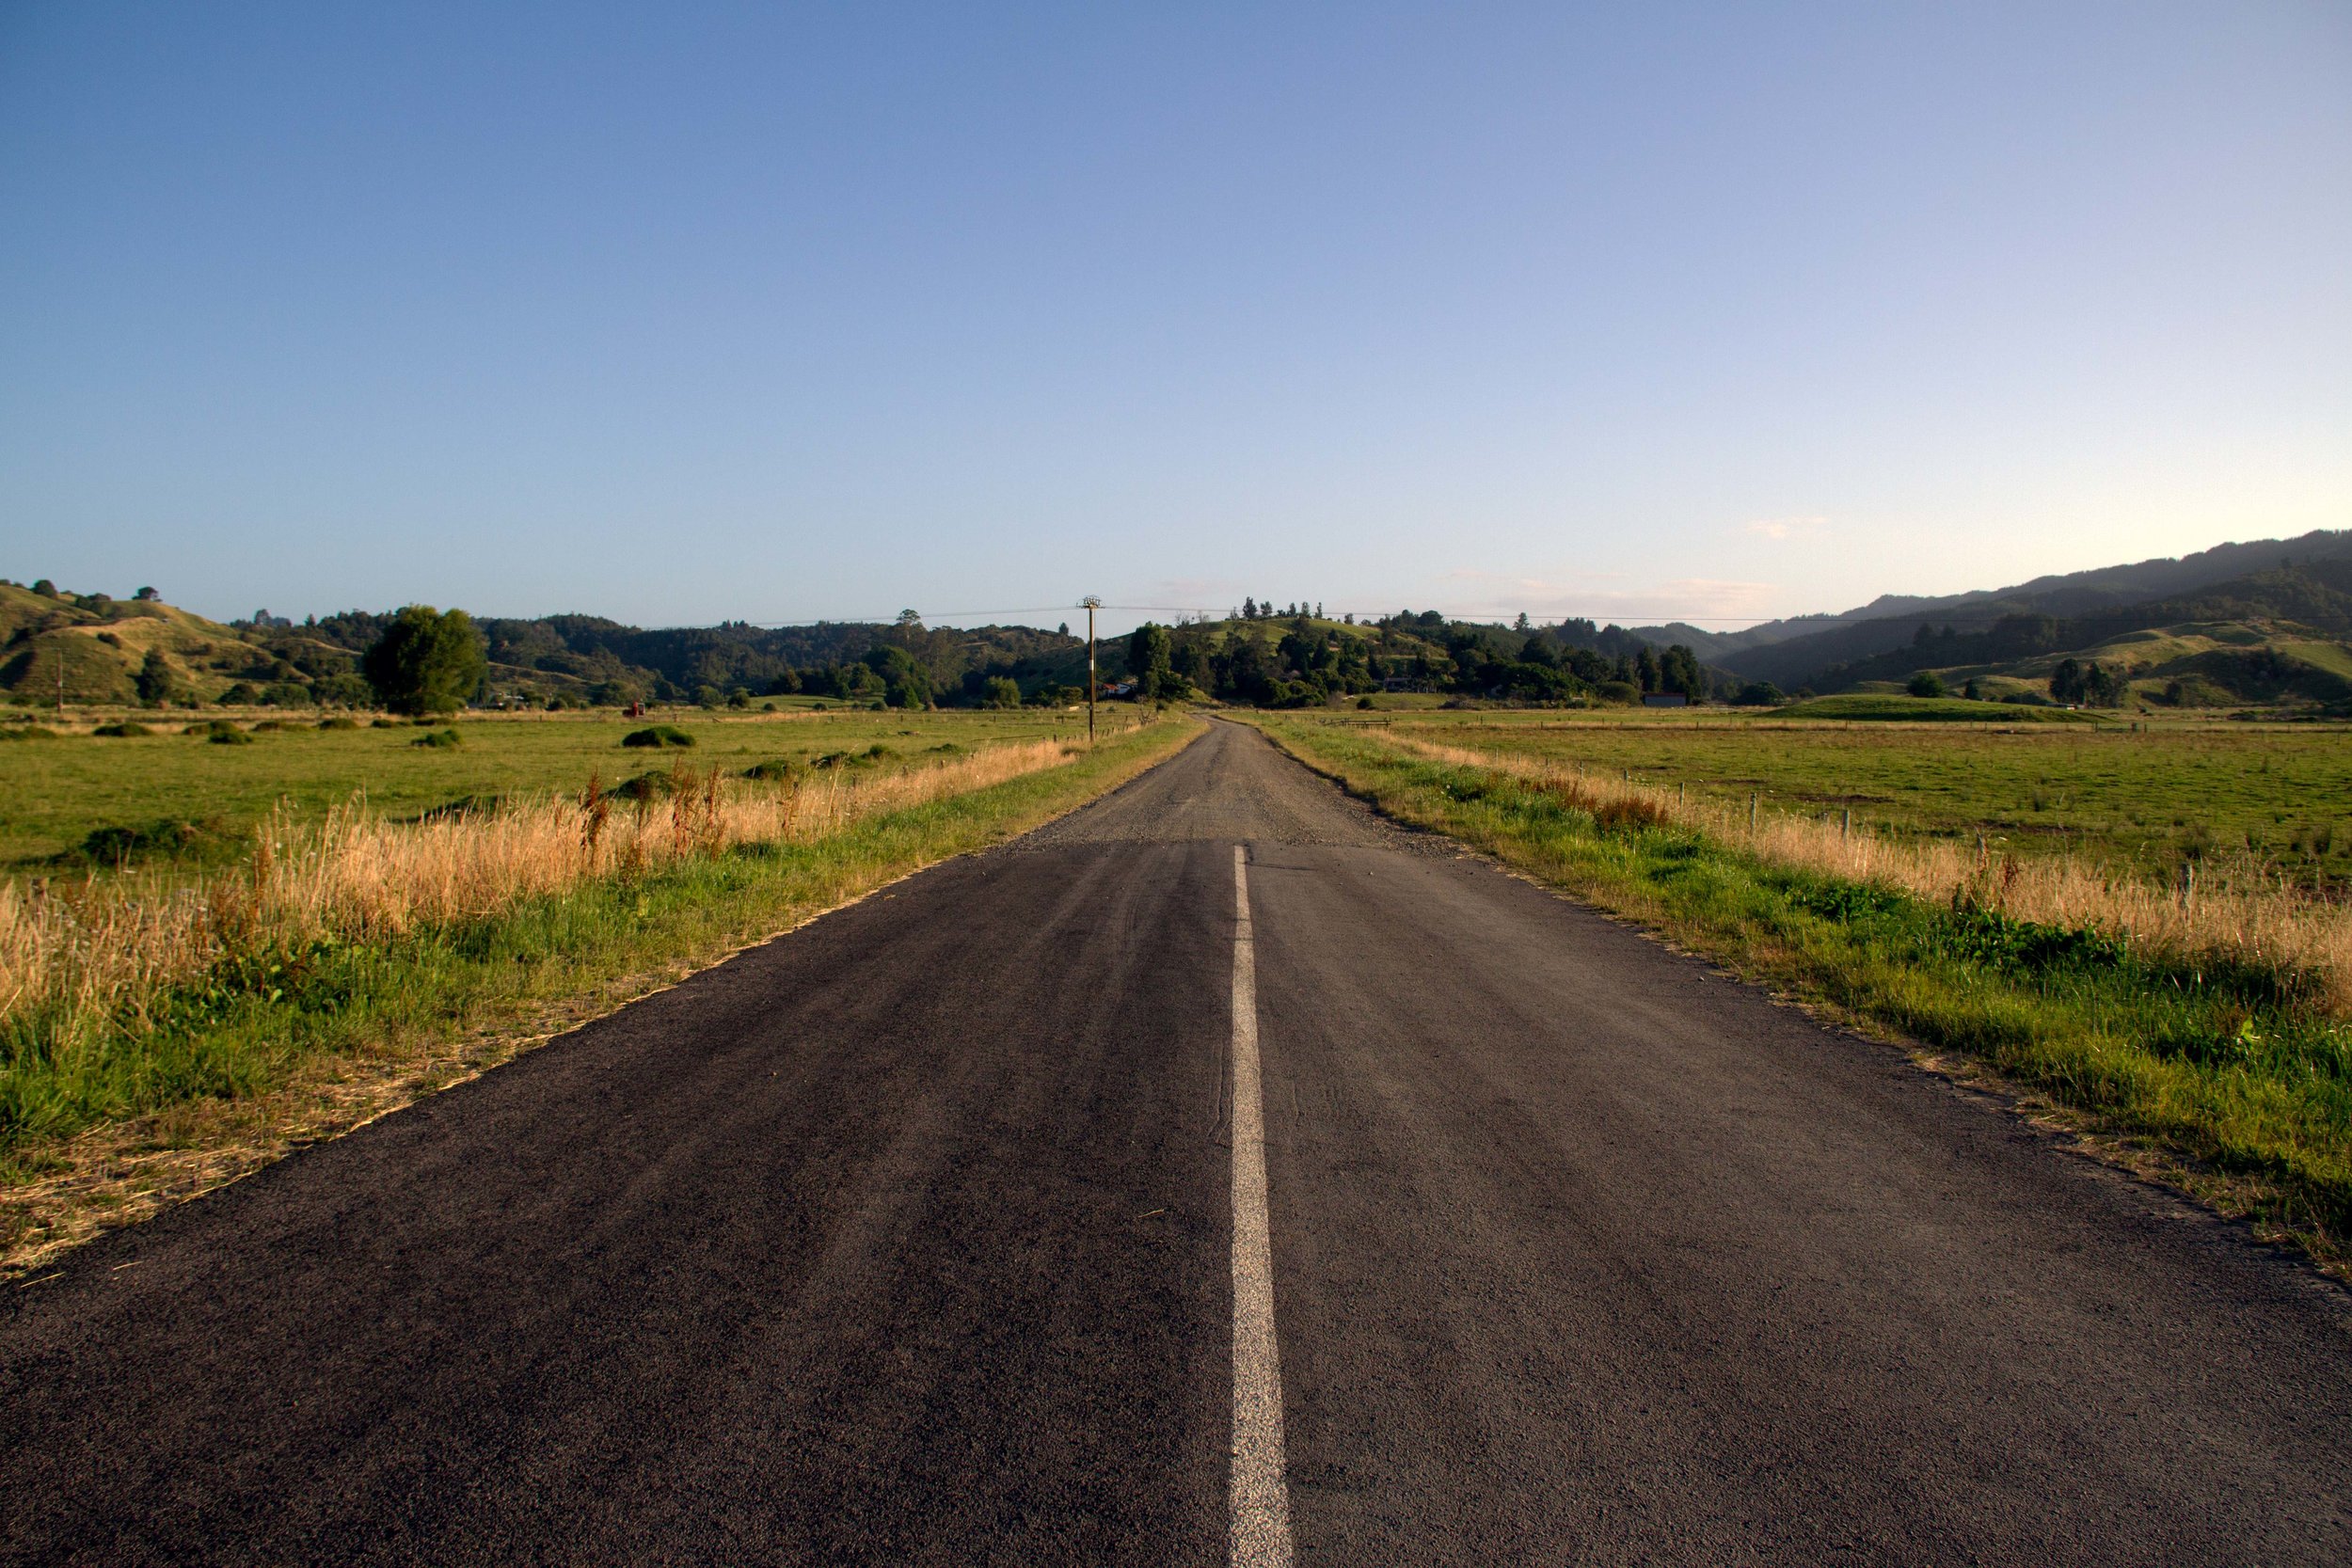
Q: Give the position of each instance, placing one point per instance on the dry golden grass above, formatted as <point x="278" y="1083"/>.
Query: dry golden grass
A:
<point x="2234" y="911"/>
<point x="107" y="949"/>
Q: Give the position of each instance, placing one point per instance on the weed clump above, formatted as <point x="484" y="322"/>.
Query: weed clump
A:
<point x="338" y="723"/>
<point x="384" y="724"/>
<point x="773" y="770"/>
<point x="27" y="731"/>
<point x="440" y="740"/>
<point x="658" y="735"/>
<point x="122" y="729"/>
<point x="644" y="786"/>
<point x="220" y="732"/>
<point x="117" y="845"/>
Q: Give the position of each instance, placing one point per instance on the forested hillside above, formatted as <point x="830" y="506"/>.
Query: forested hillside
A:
<point x="141" y="649"/>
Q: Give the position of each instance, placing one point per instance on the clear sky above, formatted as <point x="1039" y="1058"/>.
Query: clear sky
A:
<point x="678" y="313"/>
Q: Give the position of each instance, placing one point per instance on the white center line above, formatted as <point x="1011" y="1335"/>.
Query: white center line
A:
<point x="1262" y="1505"/>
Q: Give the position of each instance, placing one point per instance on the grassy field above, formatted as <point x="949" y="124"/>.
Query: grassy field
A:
<point x="2209" y="1042"/>
<point x="161" y="1030"/>
<point x="1895" y="707"/>
<point x="178" y="789"/>
<point x="2136" y="801"/>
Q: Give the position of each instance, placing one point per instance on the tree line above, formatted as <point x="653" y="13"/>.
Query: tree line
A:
<point x="1312" y="661"/>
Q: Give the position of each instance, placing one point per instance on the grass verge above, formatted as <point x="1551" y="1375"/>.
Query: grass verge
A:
<point x="2232" y="1081"/>
<point x="270" y="1050"/>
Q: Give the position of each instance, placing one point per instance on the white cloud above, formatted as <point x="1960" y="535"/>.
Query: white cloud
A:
<point x="1777" y="529"/>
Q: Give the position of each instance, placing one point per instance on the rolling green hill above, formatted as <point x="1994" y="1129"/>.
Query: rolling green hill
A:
<point x="93" y="649"/>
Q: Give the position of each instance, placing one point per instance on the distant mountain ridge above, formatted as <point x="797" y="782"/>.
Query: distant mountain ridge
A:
<point x="2262" y="638"/>
<point x="1802" y="649"/>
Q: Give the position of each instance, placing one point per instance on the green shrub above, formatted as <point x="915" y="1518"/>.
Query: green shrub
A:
<point x="440" y="740"/>
<point x="122" y="729"/>
<point x="220" y="732"/>
<point x="658" y="734"/>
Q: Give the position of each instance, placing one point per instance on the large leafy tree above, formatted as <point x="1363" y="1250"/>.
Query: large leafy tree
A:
<point x="1148" y="652"/>
<point x="427" y="661"/>
<point x="1679" y="670"/>
<point x="905" y="683"/>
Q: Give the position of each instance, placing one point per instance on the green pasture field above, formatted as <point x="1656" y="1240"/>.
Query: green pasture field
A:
<point x="56" y="792"/>
<point x="2136" y="801"/>
<point x="1896" y="708"/>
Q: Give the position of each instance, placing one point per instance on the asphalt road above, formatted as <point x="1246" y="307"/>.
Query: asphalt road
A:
<point x="924" y="1236"/>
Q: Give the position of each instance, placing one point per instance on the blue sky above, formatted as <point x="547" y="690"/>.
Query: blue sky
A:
<point x="683" y="313"/>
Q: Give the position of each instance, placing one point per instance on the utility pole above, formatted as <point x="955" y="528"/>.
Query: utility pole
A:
<point x="1092" y="602"/>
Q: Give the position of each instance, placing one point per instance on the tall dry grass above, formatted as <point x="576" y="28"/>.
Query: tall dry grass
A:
<point x="80" y="953"/>
<point x="2232" y="911"/>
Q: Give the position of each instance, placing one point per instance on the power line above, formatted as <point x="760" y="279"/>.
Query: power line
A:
<point x="1655" y="618"/>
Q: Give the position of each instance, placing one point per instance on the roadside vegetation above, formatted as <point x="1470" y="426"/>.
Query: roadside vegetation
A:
<point x="357" y="945"/>
<point x="2150" y="800"/>
<point x="2198" y="1016"/>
